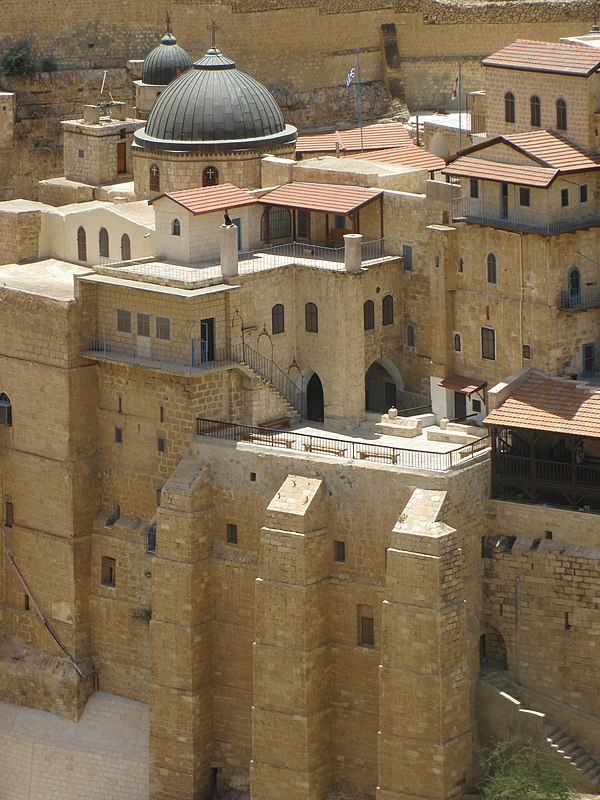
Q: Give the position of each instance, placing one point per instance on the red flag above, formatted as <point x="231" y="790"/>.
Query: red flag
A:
<point x="456" y="88"/>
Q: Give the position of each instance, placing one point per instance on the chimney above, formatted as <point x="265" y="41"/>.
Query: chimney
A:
<point x="353" y="252"/>
<point x="91" y="115"/>
<point x="229" y="251"/>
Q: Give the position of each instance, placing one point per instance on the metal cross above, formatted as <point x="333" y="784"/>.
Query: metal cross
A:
<point x="168" y="23"/>
<point x="213" y="28"/>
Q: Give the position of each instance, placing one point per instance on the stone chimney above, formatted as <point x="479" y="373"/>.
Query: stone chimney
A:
<point x="229" y="251"/>
<point x="353" y="252"/>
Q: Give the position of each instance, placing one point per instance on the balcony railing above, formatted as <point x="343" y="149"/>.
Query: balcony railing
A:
<point x="517" y="218"/>
<point x="197" y="359"/>
<point x="570" y="300"/>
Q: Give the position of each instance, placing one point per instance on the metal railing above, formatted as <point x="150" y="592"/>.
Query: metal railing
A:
<point x="340" y="448"/>
<point x="588" y="297"/>
<point x="517" y="218"/>
<point x="199" y="358"/>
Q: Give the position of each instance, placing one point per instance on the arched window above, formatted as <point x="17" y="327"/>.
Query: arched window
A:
<point x="103" y="244"/>
<point x="536" y="111"/>
<point x="210" y="176"/>
<point x="5" y="410"/>
<point x="369" y="315"/>
<point x="492" y="272"/>
<point x="81" y="244"/>
<point x="387" y="307"/>
<point x="276" y="224"/>
<point x="411" y="335"/>
<point x="125" y="247"/>
<point x="509" y="107"/>
<point x="574" y="287"/>
<point x="154" y="178"/>
<point x="311" y="318"/>
<point x="561" y="115"/>
<point x="277" y="318"/>
<point x="176" y="228"/>
<point x="457" y="343"/>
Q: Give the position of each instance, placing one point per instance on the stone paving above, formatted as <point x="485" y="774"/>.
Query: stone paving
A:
<point x="104" y="756"/>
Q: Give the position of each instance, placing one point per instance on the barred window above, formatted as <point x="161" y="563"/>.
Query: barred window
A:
<point x="278" y="318"/>
<point x="276" y="224"/>
<point x="492" y="271"/>
<point x="488" y="343"/>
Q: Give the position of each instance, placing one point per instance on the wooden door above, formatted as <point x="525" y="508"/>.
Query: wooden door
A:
<point x="121" y="157"/>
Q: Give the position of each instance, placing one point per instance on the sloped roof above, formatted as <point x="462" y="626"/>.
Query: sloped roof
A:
<point x="558" y="57"/>
<point x="375" y="137"/>
<point x="210" y="198"/>
<point x="321" y="197"/>
<point x="460" y="383"/>
<point x="552" y="151"/>
<point x="483" y="169"/>
<point x="408" y="155"/>
<point x="549" y="404"/>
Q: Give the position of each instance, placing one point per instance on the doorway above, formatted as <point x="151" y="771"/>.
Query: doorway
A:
<point x="460" y="406"/>
<point x="121" y="157"/>
<point x="315" y="406"/>
<point x="589" y="360"/>
<point x="207" y="340"/>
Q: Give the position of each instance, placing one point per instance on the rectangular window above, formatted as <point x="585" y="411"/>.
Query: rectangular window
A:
<point x="26" y="602"/>
<point x="231" y="533"/>
<point x="407" y="255"/>
<point x="119" y="435"/>
<point x="161" y="414"/>
<point x="161" y="444"/>
<point x="339" y="551"/>
<point x="476" y="406"/>
<point x="302" y="224"/>
<point x="488" y="343"/>
<point x="163" y="328"/>
<point x="339" y="221"/>
<point x="524" y="196"/>
<point x="583" y="193"/>
<point x="80" y="152"/>
<point x="564" y="197"/>
<point x="526" y="351"/>
<point x="123" y="320"/>
<point x="9" y="516"/>
<point x="474" y="185"/>
<point x="108" y="571"/>
<point x="143" y="324"/>
<point x="158" y="494"/>
<point x="367" y="631"/>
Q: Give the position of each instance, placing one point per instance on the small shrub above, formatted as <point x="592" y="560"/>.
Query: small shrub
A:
<point x="17" y="61"/>
<point x="515" y="770"/>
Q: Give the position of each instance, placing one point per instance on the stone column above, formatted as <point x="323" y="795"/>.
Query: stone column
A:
<point x="181" y="717"/>
<point x="353" y="252"/>
<point x="291" y="715"/>
<point x="425" y="735"/>
<point x="229" y="251"/>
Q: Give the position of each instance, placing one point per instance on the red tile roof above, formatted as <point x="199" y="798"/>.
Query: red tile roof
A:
<point x="552" y="151"/>
<point x="459" y="383"/>
<point x="559" y="57"/>
<point x="468" y="167"/>
<point x="321" y="197"/>
<point x="550" y="404"/>
<point x="375" y="137"/>
<point x="210" y="198"/>
<point x="408" y="155"/>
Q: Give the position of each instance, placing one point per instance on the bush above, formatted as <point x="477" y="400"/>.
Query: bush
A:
<point x="17" y="61"/>
<point x="514" y="770"/>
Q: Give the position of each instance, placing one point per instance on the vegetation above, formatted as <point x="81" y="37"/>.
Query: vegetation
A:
<point x="17" y="60"/>
<point x="514" y="770"/>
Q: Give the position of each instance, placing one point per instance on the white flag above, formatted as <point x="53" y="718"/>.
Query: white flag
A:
<point x="350" y="77"/>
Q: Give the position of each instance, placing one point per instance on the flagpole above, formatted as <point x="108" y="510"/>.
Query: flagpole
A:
<point x="459" y="109"/>
<point x="359" y="91"/>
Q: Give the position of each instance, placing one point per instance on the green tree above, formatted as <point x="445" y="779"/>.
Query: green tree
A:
<point x="514" y="770"/>
<point x="17" y="60"/>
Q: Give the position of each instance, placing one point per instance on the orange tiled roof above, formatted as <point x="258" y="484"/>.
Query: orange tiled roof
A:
<point x="552" y="151"/>
<point x="321" y="197"/>
<point x="210" y="198"/>
<point x="560" y="57"/>
<point x="408" y="155"/>
<point x="547" y="404"/>
<point x="459" y="383"/>
<point x="468" y="167"/>
<point x="375" y="137"/>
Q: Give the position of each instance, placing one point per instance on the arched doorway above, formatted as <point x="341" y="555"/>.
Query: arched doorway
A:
<point x="492" y="649"/>
<point x="383" y="383"/>
<point x="315" y="406"/>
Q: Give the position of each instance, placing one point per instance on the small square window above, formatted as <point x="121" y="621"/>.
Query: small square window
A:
<point x="474" y="185"/>
<point x="143" y="324"/>
<point x="526" y="351"/>
<point x="524" y="196"/>
<point x="161" y="444"/>
<point x="108" y="571"/>
<point x="476" y="406"/>
<point x="407" y="256"/>
<point x="8" y="514"/>
<point x="367" y="631"/>
<point x="253" y="476"/>
<point x="163" y="328"/>
<point x="231" y="533"/>
<point x="123" y="320"/>
<point x="339" y="221"/>
<point x="80" y="152"/>
<point x="339" y="551"/>
<point x="564" y="197"/>
<point x="583" y="193"/>
<point x="119" y="435"/>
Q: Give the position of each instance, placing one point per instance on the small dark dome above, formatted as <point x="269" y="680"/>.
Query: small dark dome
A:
<point x="214" y="102"/>
<point x="165" y="62"/>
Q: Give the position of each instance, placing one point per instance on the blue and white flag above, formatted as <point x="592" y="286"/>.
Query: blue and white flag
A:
<point x="350" y="77"/>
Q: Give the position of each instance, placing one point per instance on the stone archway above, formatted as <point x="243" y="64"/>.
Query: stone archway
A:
<point x="315" y="401"/>
<point x="383" y="382"/>
<point x="492" y="649"/>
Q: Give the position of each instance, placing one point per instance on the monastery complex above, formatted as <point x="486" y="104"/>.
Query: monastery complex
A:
<point x="299" y="427"/>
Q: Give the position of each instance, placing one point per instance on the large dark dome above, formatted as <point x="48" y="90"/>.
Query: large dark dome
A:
<point x="214" y="106"/>
<point x="165" y="62"/>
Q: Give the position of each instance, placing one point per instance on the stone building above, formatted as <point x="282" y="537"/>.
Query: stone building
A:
<point x="209" y="513"/>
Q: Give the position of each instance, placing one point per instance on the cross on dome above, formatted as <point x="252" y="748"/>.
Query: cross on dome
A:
<point x="213" y="28"/>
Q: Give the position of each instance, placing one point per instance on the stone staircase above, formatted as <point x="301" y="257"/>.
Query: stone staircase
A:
<point x="588" y="768"/>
